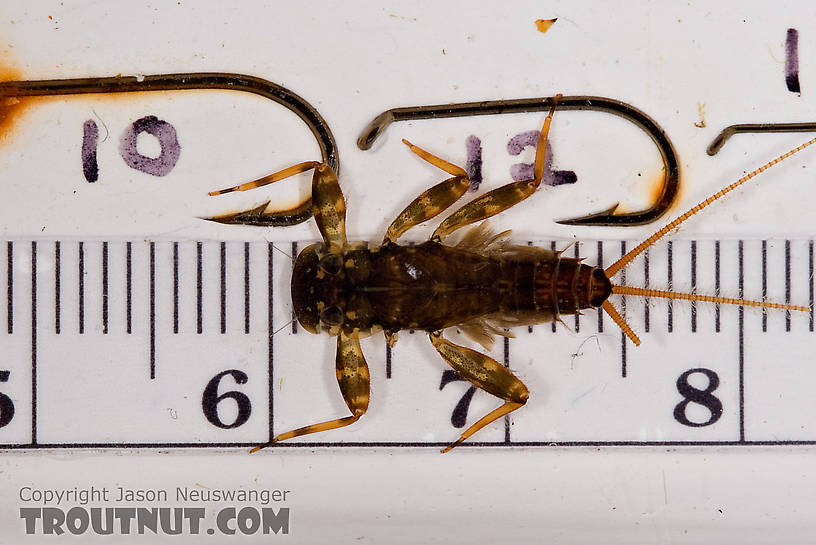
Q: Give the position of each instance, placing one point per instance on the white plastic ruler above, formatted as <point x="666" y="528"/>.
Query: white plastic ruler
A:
<point x="187" y="344"/>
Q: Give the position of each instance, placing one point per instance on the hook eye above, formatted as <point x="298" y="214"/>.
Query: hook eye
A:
<point x="744" y="128"/>
<point x="671" y="172"/>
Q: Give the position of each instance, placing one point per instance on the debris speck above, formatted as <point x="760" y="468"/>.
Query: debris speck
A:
<point x="701" y="111"/>
<point x="543" y="25"/>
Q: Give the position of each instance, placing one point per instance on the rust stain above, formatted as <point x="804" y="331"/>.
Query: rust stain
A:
<point x="654" y="190"/>
<point x="543" y="25"/>
<point x="11" y="108"/>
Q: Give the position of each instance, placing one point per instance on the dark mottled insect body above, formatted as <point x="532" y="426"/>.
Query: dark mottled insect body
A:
<point x="481" y="284"/>
<point x="474" y="285"/>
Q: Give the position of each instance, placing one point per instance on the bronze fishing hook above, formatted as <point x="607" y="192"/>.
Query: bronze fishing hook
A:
<point x="671" y="172"/>
<point x="193" y="81"/>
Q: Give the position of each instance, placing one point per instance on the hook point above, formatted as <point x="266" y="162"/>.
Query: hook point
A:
<point x="605" y="217"/>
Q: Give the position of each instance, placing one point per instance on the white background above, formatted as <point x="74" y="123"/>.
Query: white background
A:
<point x="352" y="61"/>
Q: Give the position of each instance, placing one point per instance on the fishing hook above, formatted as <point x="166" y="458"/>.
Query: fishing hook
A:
<point x="190" y="81"/>
<point x="744" y="128"/>
<point x="671" y="171"/>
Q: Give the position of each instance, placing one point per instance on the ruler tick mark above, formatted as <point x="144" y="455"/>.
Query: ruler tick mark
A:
<point x="623" y="313"/>
<point x="175" y="287"/>
<point x="33" y="343"/>
<point x="741" y="264"/>
<point x="270" y="294"/>
<point x="764" y="284"/>
<point x="105" y="288"/>
<point x="152" y="246"/>
<point x="507" y="416"/>
<point x="577" y="255"/>
<point x="717" y="285"/>
<point x="223" y="258"/>
<point x="81" y="288"/>
<point x="670" y="279"/>
<point x="246" y="288"/>
<point x="57" y="286"/>
<point x="128" y="287"/>
<point x="694" y="285"/>
<point x="10" y="285"/>
<point x="600" y="265"/>
<point x="787" y="283"/>
<point x="646" y="285"/>
<point x="552" y="248"/>
<point x="199" y="287"/>
<point x="294" y="316"/>
<point x="529" y="327"/>
<point x="810" y="282"/>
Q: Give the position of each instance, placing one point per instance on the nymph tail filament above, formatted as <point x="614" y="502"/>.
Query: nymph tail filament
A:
<point x="618" y="319"/>
<point x="640" y="248"/>
<point x="628" y="290"/>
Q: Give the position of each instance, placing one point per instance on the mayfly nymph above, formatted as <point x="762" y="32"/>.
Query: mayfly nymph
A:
<point x="482" y="284"/>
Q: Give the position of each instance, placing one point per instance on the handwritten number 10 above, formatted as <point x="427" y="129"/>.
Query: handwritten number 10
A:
<point x="163" y="131"/>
